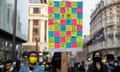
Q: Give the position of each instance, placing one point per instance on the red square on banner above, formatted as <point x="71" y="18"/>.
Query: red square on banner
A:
<point x="68" y="33"/>
<point x="79" y="27"/>
<point x="51" y="21"/>
<point x="74" y="21"/>
<point x="68" y="4"/>
<point x="62" y="10"/>
<point x="63" y="39"/>
<point x="74" y="45"/>
<point x="50" y="9"/>
<point x="57" y="45"/>
<point x="79" y="10"/>
<point x="63" y="22"/>
<point x="57" y="33"/>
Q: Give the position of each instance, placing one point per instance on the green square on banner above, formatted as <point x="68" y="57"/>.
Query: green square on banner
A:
<point x="51" y="40"/>
<point x="63" y="45"/>
<point x="57" y="22"/>
<point x="57" y="27"/>
<point x="57" y="10"/>
<point x="50" y="4"/>
<point x="79" y="44"/>
<point x="50" y="16"/>
<point x="62" y="4"/>
<point x="68" y="16"/>
<point x="62" y="33"/>
<point x="74" y="5"/>
<point x="63" y="16"/>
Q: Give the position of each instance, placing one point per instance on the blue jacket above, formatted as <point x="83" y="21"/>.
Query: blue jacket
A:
<point x="25" y="68"/>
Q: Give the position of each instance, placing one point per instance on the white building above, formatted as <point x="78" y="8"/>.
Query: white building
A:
<point x="37" y="26"/>
<point x="105" y="17"/>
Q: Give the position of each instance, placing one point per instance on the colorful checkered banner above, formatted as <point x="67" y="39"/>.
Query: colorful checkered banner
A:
<point x="65" y="25"/>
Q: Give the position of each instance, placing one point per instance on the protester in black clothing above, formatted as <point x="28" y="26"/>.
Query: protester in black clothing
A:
<point x="82" y="67"/>
<point x="1" y="65"/>
<point x="97" y="65"/>
<point x="8" y="66"/>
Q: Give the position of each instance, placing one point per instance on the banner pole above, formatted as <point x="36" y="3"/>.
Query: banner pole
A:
<point x="64" y="62"/>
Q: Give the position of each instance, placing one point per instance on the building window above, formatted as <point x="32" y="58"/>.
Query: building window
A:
<point x="118" y="8"/>
<point x="35" y="31"/>
<point x="8" y="15"/>
<point x="36" y="10"/>
<point x="35" y="21"/>
<point x="44" y="1"/>
<point x="34" y="1"/>
<point x="118" y="18"/>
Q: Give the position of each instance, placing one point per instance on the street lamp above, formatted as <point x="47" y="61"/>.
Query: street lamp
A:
<point x="14" y="31"/>
<point x="36" y="45"/>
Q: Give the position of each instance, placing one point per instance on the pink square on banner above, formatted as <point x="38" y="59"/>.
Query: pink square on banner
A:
<point x="79" y="10"/>
<point x="68" y="4"/>
<point x="57" y="33"/>
<point x="63" y="22"/>
<point x="50" y="9"/>
<point x="62" y="10"/>
<point x="68" y="33"/>
<point x="74" y="45"/>
<point x="63" y="39"/>
<point x="57" y="45"/>
<point x="51" y="21"/>
<point x="79" y="27"/>
<point x="74" y="22"/>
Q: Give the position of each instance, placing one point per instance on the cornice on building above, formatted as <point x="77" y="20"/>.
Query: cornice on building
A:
<point x="101" y="7"/>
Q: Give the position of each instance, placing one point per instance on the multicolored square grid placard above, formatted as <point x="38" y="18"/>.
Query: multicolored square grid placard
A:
<point x="65" y="24"/>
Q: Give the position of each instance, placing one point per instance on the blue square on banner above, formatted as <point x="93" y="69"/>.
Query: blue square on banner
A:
<point x="56" y="4"/>
<point x="56" y="16"/>
<point x="73" y="39"/>
<point x="51" y="33"/>
<point x="63" y="28"/>
<point x="74" y="10"/>
<point x="79" y="33"/>
<point x="80" y="4"/>
<point x="68" y="45"/>
<point x="80" y="16"/>
<point x="57" y="39"/>
<point x="68" y="21"/>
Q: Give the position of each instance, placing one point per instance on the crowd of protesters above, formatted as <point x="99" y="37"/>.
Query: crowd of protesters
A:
<point x="112" y="64"/>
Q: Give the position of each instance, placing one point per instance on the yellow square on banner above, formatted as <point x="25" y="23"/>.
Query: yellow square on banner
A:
<point x="51" y="45"/>
<point x="74" y="4"/>
<point x="57" y="10"/>
<point x="51" y="28"/>
<point x="79" y="39"/>
<point x="69" y="28"/>
<point x="80" y="21"/>
<point x="74" y="31"/>
<point x="68" y="10"/>
<point x="74" y="16"/>
<point x="68" y="39"/>
<point x="50" y="4"/>
<point x="51" y="39"/>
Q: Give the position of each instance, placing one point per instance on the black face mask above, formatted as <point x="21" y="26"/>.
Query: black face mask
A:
<point x="97" y="59"/>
